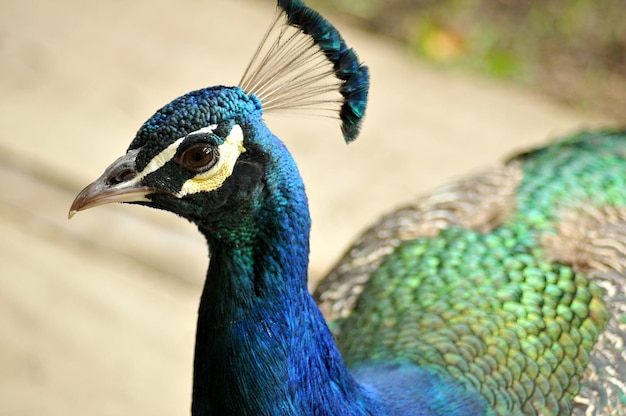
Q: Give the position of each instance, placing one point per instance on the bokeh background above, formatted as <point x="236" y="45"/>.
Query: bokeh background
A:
<point x="97" y="314"/>
<point x="573" y="51"/>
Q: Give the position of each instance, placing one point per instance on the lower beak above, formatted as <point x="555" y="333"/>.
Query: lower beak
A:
<point x="120" y="182"/>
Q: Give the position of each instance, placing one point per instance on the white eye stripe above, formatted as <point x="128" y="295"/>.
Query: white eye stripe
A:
<point x="161" y="159"/>
<point x="167" y="154"/>
<point x="210" y="180"/>
<point x="208" y="129"/>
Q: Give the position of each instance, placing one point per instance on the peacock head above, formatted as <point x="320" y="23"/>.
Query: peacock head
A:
<point x="204" y="154"/>
<point x="184" y="158"/>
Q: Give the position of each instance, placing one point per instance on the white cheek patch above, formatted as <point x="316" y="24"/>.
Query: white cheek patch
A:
<point x="229" y="152"/>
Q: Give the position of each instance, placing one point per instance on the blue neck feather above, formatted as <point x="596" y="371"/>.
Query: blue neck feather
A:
<point x="262" y="346"/>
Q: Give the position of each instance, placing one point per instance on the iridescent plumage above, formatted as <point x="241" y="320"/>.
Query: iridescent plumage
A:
<point x="505" y="280"/>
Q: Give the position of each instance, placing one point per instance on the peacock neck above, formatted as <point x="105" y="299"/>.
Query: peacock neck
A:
<point x="263" y="347"/>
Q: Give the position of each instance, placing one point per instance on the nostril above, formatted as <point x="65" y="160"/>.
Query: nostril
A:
<point x="124" y="175"/>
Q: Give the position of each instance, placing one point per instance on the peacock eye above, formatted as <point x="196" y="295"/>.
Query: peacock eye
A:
<point x="199" y="157"/>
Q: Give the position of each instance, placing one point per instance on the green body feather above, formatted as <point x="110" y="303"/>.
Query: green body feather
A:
<point x="502" y="307"/>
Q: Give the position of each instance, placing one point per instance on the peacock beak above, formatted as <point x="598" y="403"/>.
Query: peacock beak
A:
<point x="120" y="182"/>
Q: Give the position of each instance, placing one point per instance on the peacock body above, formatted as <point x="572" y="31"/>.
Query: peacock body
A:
<point x="504" y="280"/>
<point x="502" y="293"/>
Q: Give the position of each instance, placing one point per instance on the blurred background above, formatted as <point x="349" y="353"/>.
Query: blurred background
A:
<point x="573" y="51"/>
<point x="97" y="314"/>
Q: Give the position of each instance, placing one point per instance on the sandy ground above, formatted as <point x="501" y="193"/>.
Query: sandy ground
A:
<point x="97" y="315"/>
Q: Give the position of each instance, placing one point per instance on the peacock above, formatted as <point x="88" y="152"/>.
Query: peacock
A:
<point x="501" y="293"/>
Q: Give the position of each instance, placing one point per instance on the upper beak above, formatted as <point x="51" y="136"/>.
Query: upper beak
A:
<point x="120" y="182"/>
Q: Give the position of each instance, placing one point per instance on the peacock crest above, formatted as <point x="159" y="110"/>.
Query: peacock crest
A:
<point x="304" y="63"/>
